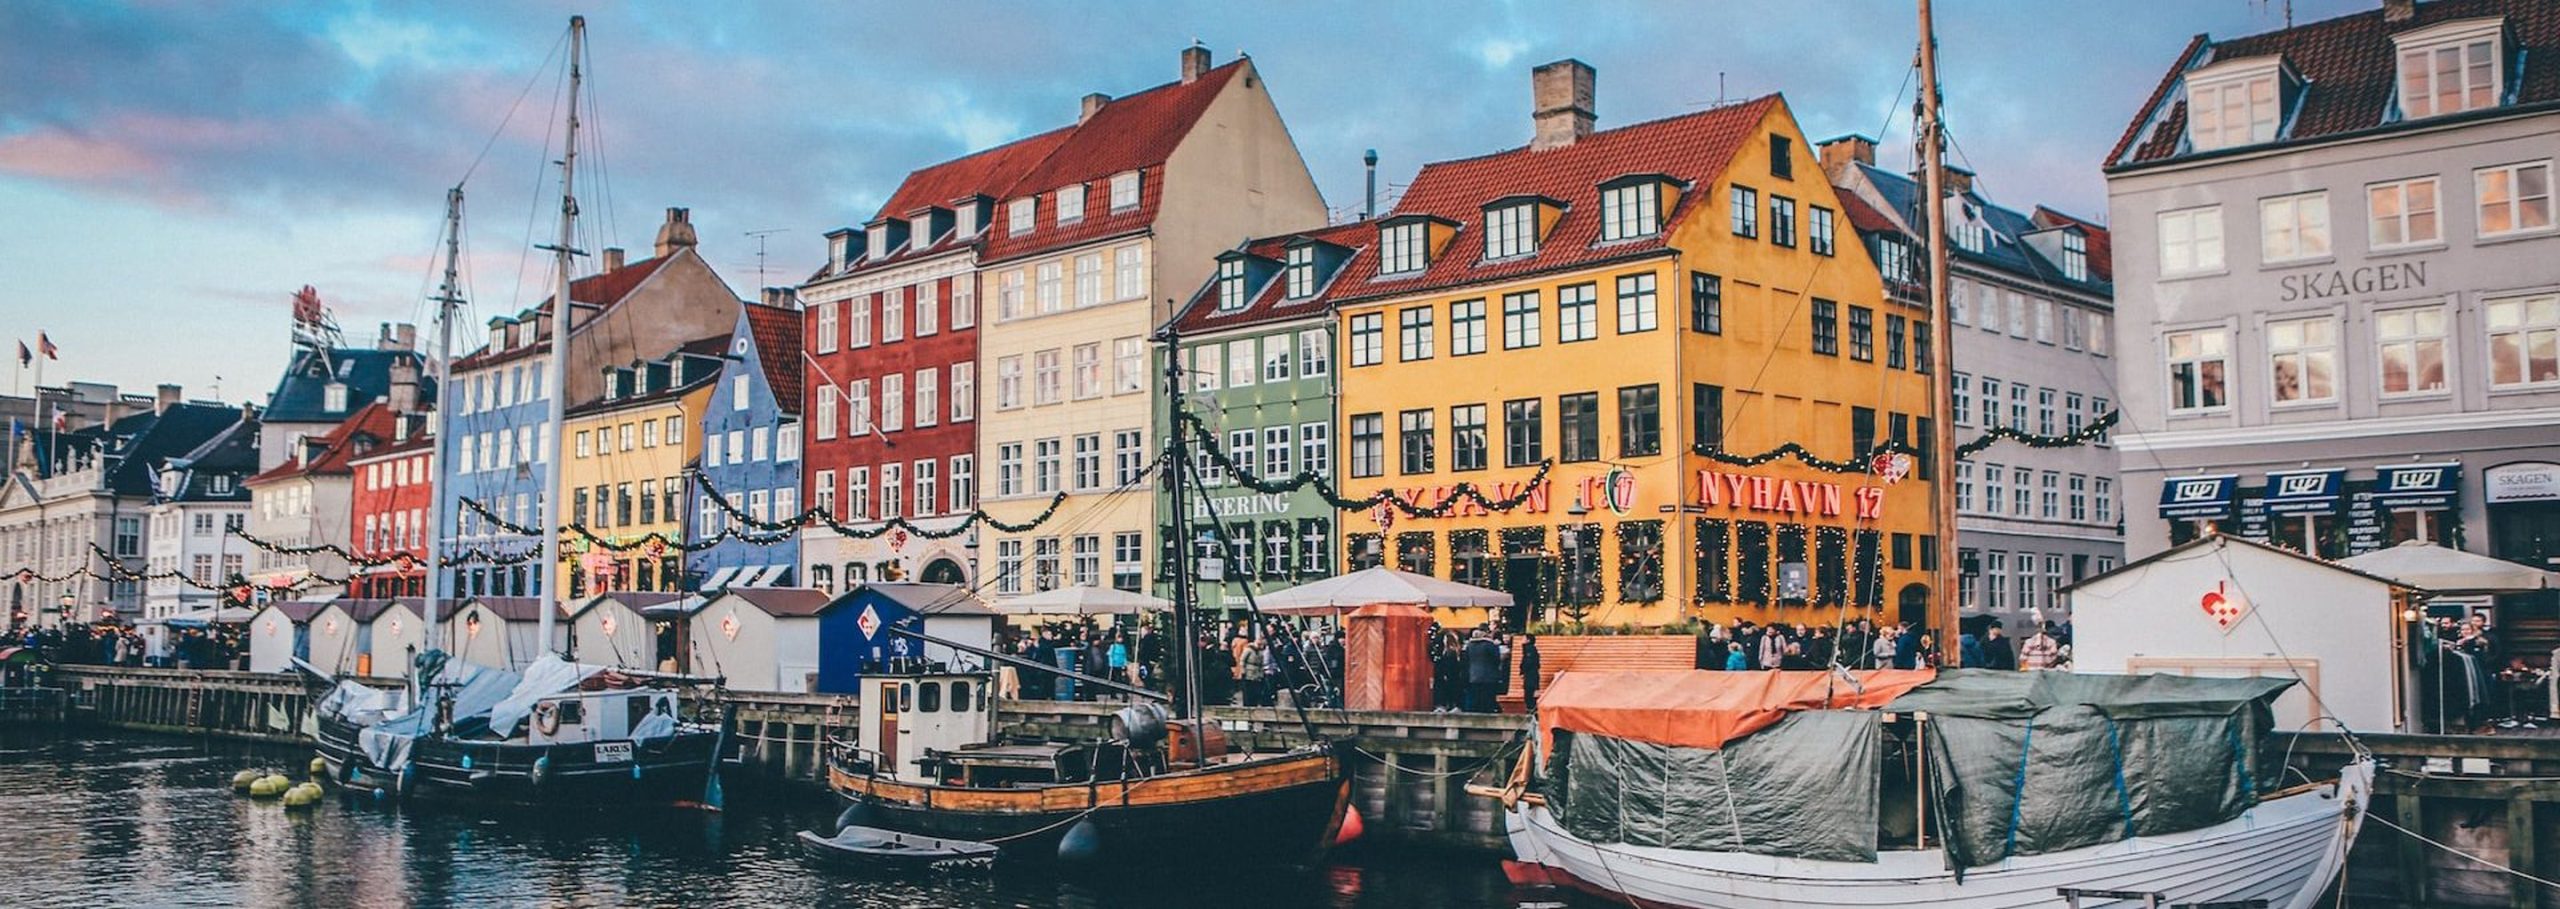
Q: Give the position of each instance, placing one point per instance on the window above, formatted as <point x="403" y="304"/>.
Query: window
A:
<point x="1523" y="433"/>
<point x="1782" y="160"/>
<point x="2050" y="497"/>
<point x="2294" y="227"/>
<point x="826" y="339"/>
<point x="2024" y="480"/>
<point x="893" y="314"/>
<point x="2449" y="79"/>
<point x="2514" y="199"/>
<point x="2198" y="360"/>
<point x="2079" y="497"/>
<point x="1862" y="334"/>
<point x="1047" y="280"/>
<point x="2044" y="411"/>
<point x="1300" y="268"/>
<point x="2232" y="113"/>
<point x="2302" y="355"/>
<point x="2190" y="242"/>
<point x="1826" y="327"/>
<point x="1085" y="568"/>
<point x="1511" y="230"/>
<point x="964" y="302"/>
<point x="1018" y="216"/>
<point x="928" y="397"/>
<point x="1416" y="440"/>
<point x="1009" y="469"/>
<point x="1818" y="230"/>
<point x="1128" y="560"/>
<point x="1128" y="366"/>
<point x="1008" y="567"/>
<point x="1520" y="320"/>
<point x="2412" y="350"/>
<point x="1964" y="487"/>
<point x="2402" y="213"/>
<point x="858" y="322"/>
<point x="1088" y="367"/>
<point x="1368" y="339"/>
<point x="1577" y="313"/>
<point x="786" y="442"/>
<point x="1639" y="421"/>
<point x="1632" y="211"/>
<point x="1129" y="272"/>
<point x="1128" y="457"/>
<point x="1578" y="427"/>
<point x="2103" y="498"/>
<point x="1071" y="204"/>
<point x="1413" y="334"/>
<point x="1047" y="377"/>
<point x="926" y="485"/>
<point x="1240" y="450"/>
<point x="1009" y="382"/>
<point x="1088" y="280"/>
<point x="1088" y="462"/>
<point x="1368" y="445"/>
<point x="1275" y="358"/>
<point x="1044" y="466"/>
<point x="1994" y="488"/>
<point x="2018" y="405"/>
<point x="1862" y="431"/>
<point x="893" y="402"/>
<point x="1315" y="448"/>
<point x="1466" y="328"/>
<point x="928" y="309"/>
<point x="1276" y="452"/>
<point x="1636" y="308"/>
<point x="1746" y="212"/>
<point x="2524" y="341"/>
<point x="1401" y="249"/>
<point x="1706" y="414"/>
<point x="1782" y="221"/>
<point x="964" y="391"/>
<point x="1230" y="285"/>
<point x="1897" y="332"/>
<point x="2075" y="255"/>
<point x="2072" y="420"/>
<point x="857" y="493"/>
<point x="1467" y="442"/>
<point x="1706" y="303"/>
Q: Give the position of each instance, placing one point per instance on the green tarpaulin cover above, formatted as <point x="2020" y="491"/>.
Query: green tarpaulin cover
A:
<point x="1805" y="787"/>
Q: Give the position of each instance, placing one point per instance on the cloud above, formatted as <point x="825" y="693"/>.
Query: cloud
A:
<point x="1497" y="53"/>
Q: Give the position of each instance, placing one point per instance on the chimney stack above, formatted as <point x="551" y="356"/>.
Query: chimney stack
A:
<point x="2398" y="11"/>
<point x="406" y="335"/>
<point x="778" y="297"/>
<point x="166" y="397"/>
<point x="677" y="232"/>
<point x="1369" y="202"/>
<point x="1093" y="104"/>
<point x="1838" y="154"/>
<point x="612" y="259"/>
<point x="1195" y="62"/>
<point x="1560" y="96"/>
<point x="403" y="397"/>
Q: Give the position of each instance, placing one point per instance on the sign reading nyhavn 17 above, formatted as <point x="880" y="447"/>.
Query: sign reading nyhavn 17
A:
<point x="1776" y="495"/>
<point x="2363" y="279"/>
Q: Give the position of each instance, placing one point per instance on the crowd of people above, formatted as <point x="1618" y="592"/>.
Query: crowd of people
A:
<point x="2474" y="690"/>
<point x="1240" y="662"/>
<point x="115" y="644"/>
<point x="1863" y="644"/>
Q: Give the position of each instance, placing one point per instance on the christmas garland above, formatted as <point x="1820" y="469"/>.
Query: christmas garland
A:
<point x="2095" y="430"/>
<point x="403" y="560"/>
<point x="816" y="516"/>
<point x="1464" y="491"/>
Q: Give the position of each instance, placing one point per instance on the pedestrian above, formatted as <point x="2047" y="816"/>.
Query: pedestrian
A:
<point x="1906" y="647"/>
<point x="2040" y="650"/>
<point x="1773" y="648"/>
<point x="1996" y="651"/>
<point x="1880" y="651"/>
<point x="1733" y="659"/>
<point x="1484" y="672"/>
<point x="1529" y="672"/>
<point x="1252" y="671"/>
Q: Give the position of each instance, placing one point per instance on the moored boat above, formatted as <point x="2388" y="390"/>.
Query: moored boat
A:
<point x="889" y="850"/>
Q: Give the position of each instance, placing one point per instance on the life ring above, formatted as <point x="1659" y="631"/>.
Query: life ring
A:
<point x="546" y="717"/>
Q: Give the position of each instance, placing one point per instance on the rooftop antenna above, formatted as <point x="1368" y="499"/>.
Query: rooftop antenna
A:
<point x="760" y="235"/>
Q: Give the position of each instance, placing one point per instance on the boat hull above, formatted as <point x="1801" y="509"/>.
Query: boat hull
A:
<point x="1276" y="810"/>
<point x="2285" y="851"/>
<point x="673" y="769"/>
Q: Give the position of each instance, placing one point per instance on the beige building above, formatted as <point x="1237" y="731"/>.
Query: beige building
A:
<point x="1081" y="262"/>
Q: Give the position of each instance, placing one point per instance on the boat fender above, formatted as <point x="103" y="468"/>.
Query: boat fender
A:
<point x="1350" y="829"/>
<point x="857" y="814"/>
<point x="240" y="781"/>
<point x="319" y="766"/>
<point x="1082" y="844"/>
<point x="466" y="758"/>
<point x="541" y="771"/>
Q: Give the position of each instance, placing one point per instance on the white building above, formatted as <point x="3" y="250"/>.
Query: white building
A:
<point x="760" y="638"/>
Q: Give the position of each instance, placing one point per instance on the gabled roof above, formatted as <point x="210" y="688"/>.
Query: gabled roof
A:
<point x="138" y="445"/>
<point x="512" y="609"/>
<point x="2348" y="72"/>
<point x="232" y="451"/>
<point x="2009" y="252"/>
<point x="988" y="173"/>
<point x="338" y="448"/>
<point x="419" y="440"/>
<point x="714" y="346"/>
<point x="634" y="600"/>
<point x="1694" y="148"/>
<point x="302" y="393"/>
<point x="923" y="599"/>
<point x="602" y="290"/>
<point x="367" y="610"/>
<point x="2102" y="256"/>
<point x="1134" y="133"/>
<point x="776" y="331"/>
<point x="2218" y="539"/>
<point x="1269" y="302"/>
<point x="780" y="602"/>
<point x="298" y="612"/>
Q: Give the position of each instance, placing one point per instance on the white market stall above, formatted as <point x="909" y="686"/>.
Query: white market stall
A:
<point x="389" y="634"/>
<point x="610" y="629"/>
<point x="759" y="638"/>
<point x="500" y="632"/>
<point x="331" y="637"/>
<point x="278" y="633"/>
<point x="2227" y="606"/>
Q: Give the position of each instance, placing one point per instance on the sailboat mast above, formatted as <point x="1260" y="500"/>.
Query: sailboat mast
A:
<point x="1942" y="444"/>
<point x="1181" y="653"/>
<point x="556" y="396"/>
<point x="448" y="304"/>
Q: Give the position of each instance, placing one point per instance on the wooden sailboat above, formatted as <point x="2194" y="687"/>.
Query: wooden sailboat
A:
<point x="1159" y="789"/>
<point x="558" y="732"/>
<point x="2278" y="849"/>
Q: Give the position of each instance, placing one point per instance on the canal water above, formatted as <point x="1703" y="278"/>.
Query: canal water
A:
<point x="95" y="819"/>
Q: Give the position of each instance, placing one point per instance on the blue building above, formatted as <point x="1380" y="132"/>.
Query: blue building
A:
<point x="854" y="634"/>
<point x="751" y="451"/>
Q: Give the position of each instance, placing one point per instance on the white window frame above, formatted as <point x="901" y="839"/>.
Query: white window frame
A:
<point x="2294" y="340"/>
<point x="2198" y="359"/>
<point x="964" y="391"/>
<point x="1129" y="272"/>
<point x="2403" y="216"/>
<point x="1242" y="365"/>
<point x="1632" y="211"/>
<point x="1128" y="366"/>
<point x="2294" y="228"/>
<point x="1277" y="358"/>
<point x="1511" y="231"/>
<point x="1021" y="215"/>
<point x="2536" y="318"/>
<point x="1009" y="382"/>
<point x="928" y="397"/>
<point x="2478" y="73"/>
<point x="2256" y="99"/>
<point x="2402" y="328"/>
<point x="2519" y="207"/>
<point x="1403" y="248"/>
<point x="1070" y="204"/>
<point x="827" y="328"/>
<point x="1124" y="191"/>
<point x="2191" y="241"/>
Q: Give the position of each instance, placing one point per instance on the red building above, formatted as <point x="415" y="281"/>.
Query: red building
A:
<point x="388" y="512"/>
<point x="890" y="332"/>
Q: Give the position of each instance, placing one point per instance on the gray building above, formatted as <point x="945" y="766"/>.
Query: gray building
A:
<point x="2341" y="309"/>
<point x="2032" y="308"/>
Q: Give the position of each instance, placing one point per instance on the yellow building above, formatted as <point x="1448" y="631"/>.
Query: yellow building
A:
<point x="629" y="455"/>
<point x="1612" y="307"/>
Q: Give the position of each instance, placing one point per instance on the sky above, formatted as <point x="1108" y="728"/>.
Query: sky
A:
<point x="173" y="171"/>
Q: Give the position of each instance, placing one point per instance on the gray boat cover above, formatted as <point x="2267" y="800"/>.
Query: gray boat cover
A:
<point x="2021" y="763"/>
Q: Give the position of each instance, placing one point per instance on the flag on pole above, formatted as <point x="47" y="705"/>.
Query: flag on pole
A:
<point x="61" y="418"/>
<point x="44" y="344"/>
<point x="25" y="356"/>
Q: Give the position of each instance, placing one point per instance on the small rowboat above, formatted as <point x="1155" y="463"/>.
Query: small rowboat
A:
<point x="889" y="850"/>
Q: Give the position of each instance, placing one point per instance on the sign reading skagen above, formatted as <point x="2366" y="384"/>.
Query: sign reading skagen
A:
<point x="2529" y="481"/>
<point x="2363" y="279"/>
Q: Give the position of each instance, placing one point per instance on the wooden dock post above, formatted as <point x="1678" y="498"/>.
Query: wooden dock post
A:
<point x="2521" y="893"/>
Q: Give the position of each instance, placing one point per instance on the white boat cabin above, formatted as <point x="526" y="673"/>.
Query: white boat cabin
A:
<point x="906" y="717"/>
<point x="612" y="715"/>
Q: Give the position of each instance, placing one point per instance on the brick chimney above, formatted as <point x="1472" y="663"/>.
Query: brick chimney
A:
<point x="406" y="335"/>
<point x="1560" y="96"/>
<point x="1195" y="63"/>
<point x="2398" y="11"/>
<point x="165" y="397"/>
<point x="403" y="395"/>
<point x="1093" y="105"/>
<point x="677" y="232"/>
<point x="613" y="258"/>
<point x="1838" y="154"/>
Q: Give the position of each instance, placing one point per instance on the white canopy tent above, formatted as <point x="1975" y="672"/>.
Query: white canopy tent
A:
<point x="1082" y="600"/>
<point x="1343" y="593"/>
<point x="2436" y="569"/>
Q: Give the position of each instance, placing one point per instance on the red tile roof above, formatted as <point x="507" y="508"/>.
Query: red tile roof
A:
<point x="1865" y="217"/>
<point x="1134" y="133"/>
<point x="372" y="422"/>
<point x="1270" y="302"/>
<point x="2348" y="72"/>
<point x="602" y="290"/>
<point x="1693" y="148"/>
<point x="777" y="334"/>
<point x="2101" y="248"/>
<point x="990" y="173"/>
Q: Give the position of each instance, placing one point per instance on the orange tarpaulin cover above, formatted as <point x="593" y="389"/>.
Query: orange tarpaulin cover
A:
<point x="1702" y="709"/>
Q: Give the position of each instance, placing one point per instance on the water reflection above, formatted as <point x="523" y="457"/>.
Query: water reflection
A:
<point x="130" y="820"/>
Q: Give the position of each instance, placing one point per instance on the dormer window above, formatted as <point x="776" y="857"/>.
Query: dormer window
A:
<point x="837" y="246"/>
<point x="1511" y="230"/>
<point x="920" y="230"/>
<point x="2450" y="68"/>
<point x="1301" y="272"/>
<point x="1630" y="210"/>
<point x="1071" y="204"/>
<point x="497" y="338"/>
<point x="1231" y="285"/>
<point x="2075" y="255"/>
<point x="1018" y="216"/>
<point x="965" y="220"/>
<point x="1402" y="248"/>
<point x="334" y="397"/>
<point x="1124" y="192"/>
<point x="880" y="237"/>
<point x="2235" y="103"/>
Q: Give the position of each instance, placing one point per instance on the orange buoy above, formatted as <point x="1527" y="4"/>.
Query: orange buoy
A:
<point x="1350" y="829"/>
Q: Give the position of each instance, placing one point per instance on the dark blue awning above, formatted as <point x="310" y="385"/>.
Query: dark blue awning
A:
<point x="2194" y="498"/>
<point x="2417" y="485"/>
<point x="2303" y="492"/>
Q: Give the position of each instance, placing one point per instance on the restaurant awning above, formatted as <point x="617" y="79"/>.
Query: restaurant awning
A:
<point x="2302" y="492"/>
<point x="722" y="579"/>
<point x="2199" y="497"/>
<point x="2417" y="485"/>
